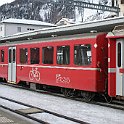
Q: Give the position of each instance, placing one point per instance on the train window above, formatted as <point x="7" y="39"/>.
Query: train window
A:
<point x="2" y="55"/>
<point x="119" y="54"/>
<point x="63" y="55"/>
<point x="14" y="56"/>
<point x="47" y="56"/>
<point x="34" y="55"/>
<point x="82" y="54"/>
<point x="23" y="55"/>
<point x="10" y="51"/>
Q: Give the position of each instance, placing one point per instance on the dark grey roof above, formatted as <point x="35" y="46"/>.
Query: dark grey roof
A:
<point x="106" y="25"/>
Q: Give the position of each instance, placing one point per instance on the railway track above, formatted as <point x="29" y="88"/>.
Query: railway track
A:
<point x="115" y="104"/>
<point x="27" y="111"/>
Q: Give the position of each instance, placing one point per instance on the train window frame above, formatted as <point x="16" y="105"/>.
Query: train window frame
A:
<point x="48" y="51"/>
<point x="2" y="56"/>
<point x="34" y="55"/>
<point x="63" y="55"/>
<point x="86" y="56"/>
<point x="23" y="55"/>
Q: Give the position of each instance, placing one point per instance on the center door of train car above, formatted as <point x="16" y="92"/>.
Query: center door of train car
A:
<point x="120" y="67"/>
<point x="12" y="65"/>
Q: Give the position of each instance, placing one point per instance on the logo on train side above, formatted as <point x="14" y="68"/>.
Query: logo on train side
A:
<point x="61" y="79"/>
<point x="34" y="74"/>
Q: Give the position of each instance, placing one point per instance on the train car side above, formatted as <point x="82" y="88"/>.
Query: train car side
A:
<point x="69" y="63"/>
<point x="116" y="62"/>
<point x="4" y="62"/>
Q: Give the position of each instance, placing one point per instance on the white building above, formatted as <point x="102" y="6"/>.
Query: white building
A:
<point x="13" y="26"/>
<point x="121" y="6"/>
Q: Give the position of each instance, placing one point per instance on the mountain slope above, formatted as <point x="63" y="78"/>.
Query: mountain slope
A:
<point x="43" y="10"/>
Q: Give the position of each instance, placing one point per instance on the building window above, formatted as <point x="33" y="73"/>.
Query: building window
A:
<point x="23" y="55"/>
<point x="19" y="29"/>
<point x="30" y="29"/>
<point x="34" y="55"/>
<point x="1" y="29"/>
<point x="2" y="55"/>
<point x="63" y="55"/>
<point x="47" y="55"/>
<point x="82" y="54"/>
<point x="122" y="1"/>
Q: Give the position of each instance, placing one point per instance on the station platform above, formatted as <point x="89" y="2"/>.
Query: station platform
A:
<point x="8" y="117"/>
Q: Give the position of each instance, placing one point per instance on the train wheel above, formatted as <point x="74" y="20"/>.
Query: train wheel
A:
<point x="107" y="98"/>
<point x="67" y="92"/>
<point x="87" y="96"/>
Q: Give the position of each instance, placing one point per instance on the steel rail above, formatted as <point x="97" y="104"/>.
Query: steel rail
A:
<point x="43" y="110"/>
<point x="119" y="105"/>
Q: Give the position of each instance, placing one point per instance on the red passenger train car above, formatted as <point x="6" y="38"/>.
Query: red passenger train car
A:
<point x="77" y="62"/>
<point x="85" y="63"/>
<point x="116" y="62"/>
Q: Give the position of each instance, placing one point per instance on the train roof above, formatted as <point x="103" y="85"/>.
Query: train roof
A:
<point x="68" y="38"/>
<point x="105" y="25"/>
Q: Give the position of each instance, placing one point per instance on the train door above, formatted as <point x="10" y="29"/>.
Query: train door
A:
<point x="12" y="64"/>
<point x="120" y="67"/>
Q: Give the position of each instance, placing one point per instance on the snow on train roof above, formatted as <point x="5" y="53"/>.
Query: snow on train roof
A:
<point x="106" y="25"/>
<point x="25" y="21"/>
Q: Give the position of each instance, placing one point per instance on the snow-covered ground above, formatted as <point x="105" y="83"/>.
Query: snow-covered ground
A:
<point x="90" y="113"/>
<point x="5" y="1"/>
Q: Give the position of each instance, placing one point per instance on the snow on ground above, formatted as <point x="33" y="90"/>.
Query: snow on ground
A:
<point x="12" y="105"/>
<point x="42" y="116"/>
<point x="52" y="119"/>
<point x="86" y="112"/>
<point x="5" y="1"/>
